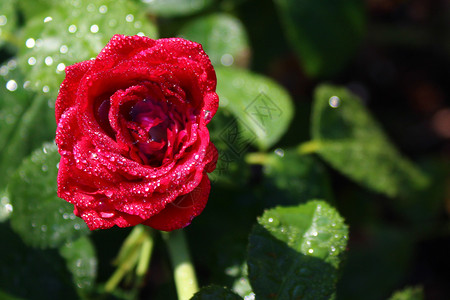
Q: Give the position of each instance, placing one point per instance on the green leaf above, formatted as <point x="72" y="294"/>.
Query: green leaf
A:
<point x="173" y="8"/>
<point x="81" y="261"/>
<point x="348" y="138"/>
<point x="39" y="216"/>
<point x="29" y="273"/>
<point x="294" y="252"/>
<point x="215" y="292"/>
<point x="222" y="36"/>
<point x="292" y="179"/>
<point x="324" y="34"/>
<point x="410" y="293"/>
<point x="75" y="31"/>
<point x="8" y="21"/>
<point x="262" y="108"/>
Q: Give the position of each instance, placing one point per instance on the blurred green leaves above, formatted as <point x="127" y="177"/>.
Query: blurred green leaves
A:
<point x="262" y="108"/>
<point x="223" y="38"/>
<point x="349" y="139"/>
<point x="8" y="20"/>
<point x="173" y="8"/>
<point x="324" y="34"/>
<point x="39" y="216"/>
<point x="295" y="251"/>
<point x="74" y="31"/>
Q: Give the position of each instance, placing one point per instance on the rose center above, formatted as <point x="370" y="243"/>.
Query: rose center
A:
<point x="152" y="125"/>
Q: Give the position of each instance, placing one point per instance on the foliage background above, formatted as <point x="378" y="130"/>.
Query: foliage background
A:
<point x="388" y="59"/>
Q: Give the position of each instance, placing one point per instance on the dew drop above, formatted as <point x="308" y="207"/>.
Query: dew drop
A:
<point x="129" y="18"/>
<point x="112" y="22"/>
<point x="77" y="226"/>
<point x="310" y="251"/>
<point x="63" y="49"/>
<point x="43" y="228"/>
<point x="48" y="60"/>
<point x="140" y="33"/>
<point x="45" y="89"/>
<point x="90" y="7"/>
<point x="11" y="85"/>
<point x="270" y="220"/>
<point x="9" y="208"/>
<point x="65" y="216"/>
<point x="44" y="168"/>
<point x="72" y="28"/>
<point x="334" y="101"/>
<point x="48" y="19"/>
<point x="60" y="67"/>
<point x="32" y="61"/>
<point x="94" y="28"/>
<point x="3" y="20"/>
<point x="103" y="9"/>
<point x="26" y="84"/>
<point x="227" y="59"/>
<point x="30" y="43"/>
<point x="279" y="152"/>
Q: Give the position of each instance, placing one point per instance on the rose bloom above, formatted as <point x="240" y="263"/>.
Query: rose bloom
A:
<point x="131" y="131"/>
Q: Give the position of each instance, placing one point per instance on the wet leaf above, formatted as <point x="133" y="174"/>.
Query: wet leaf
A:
<point x="349" y="139"/>
<point x="215" y="293"/>
<point x="222" y="36"/>
<point x="172" y="8"/>
<point x="262" y="108"/>
<point x="81" y="261"/>
<point x="75" y="31"/>
<point x="294" y="252"/>
<point x="39" y="216"/>
<point x="324" y="34"/>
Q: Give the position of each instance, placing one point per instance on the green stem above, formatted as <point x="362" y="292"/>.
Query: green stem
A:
<point x="308" y="147"/>
<point x="256" y="158"/>
<point x="184" y="273"/>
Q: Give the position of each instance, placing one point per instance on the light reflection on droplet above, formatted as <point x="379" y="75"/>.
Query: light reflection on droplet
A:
<point x="112" y="22"/>
<point x="310" y="251"/>
<point x="48" y="60"/>
<point x="30" y="43"/>
<point x="137" y="25"/>
<point x="63" y="49"/>
<point x="140" y="34"/>
<point x="32" y="61"/>
<point x="11" y="85"/>
<point x="129" y="18"/>
<point x="45" y="89"/>
<point x="94" y="28"/>
<point x="270" y="220"/>
<point x="103" y="9"/>
<point x="48" y="19"/>
<point x="4" y="70"/>
<point x="72" y="28"/>
<point x="26" y="84"/>
<point x="9" y="207"/>
<point x="279" y="152"/>
<point x="334" y="101"/>
<point x="60" y="67"/>
<point x="3" y="20"/>
<point x="250" y="296"/>
<point x="227" y="59"/>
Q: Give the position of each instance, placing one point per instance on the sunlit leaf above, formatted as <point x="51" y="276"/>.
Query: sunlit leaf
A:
<point x="410" y="293"/>
<point x="294" y="252"/>
<point x="81" y="261"/>
<point x="39" y="216"/>
<point x="262" y="108"/>
<point x="75" y="31"/>
<point x="222" y="36"/>
<point x="349" y="139"/>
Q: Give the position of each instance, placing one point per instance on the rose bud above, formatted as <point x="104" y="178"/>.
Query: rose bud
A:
<point x="131" y="131"/>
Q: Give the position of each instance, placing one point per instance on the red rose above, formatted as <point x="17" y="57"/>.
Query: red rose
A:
<point x="132" y="133"/>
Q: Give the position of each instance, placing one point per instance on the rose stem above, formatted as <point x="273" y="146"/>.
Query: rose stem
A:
<point x="135" y="251"/>
<point x="184" y="273"/>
